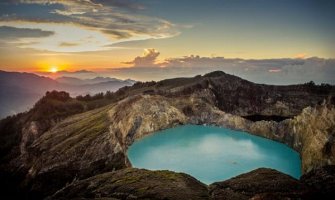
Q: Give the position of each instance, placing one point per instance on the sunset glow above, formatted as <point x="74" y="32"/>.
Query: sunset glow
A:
<point x="83" y="80"/>
<point x="54" y="69"/>
<point x="147" y="41"/>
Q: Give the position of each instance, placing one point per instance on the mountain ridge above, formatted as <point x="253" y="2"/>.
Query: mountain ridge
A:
<point x="19" y="91"/>
<point x="91" y="81"/>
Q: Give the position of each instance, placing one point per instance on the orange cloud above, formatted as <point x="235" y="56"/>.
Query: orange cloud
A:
<point x="147" y="60"/>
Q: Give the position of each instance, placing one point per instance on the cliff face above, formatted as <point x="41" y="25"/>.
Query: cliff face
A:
<point x="137" y="116"/>
<point x="311" y="133"/>
<point x="48" y="154"/>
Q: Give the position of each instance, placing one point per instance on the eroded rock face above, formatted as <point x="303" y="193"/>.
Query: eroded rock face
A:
<point x="310" y="133"/>
<point x="135" y="184"/>
<point x="313" y="131"/>
<point x="137" y="116"/>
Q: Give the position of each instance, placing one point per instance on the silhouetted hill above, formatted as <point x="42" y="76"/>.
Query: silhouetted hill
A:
<point x="19" y="91"/>
<point x="96" y="80"/>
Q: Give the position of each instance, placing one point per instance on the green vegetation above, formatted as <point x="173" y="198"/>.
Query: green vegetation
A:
<point x="52" y="108"/>
<point x="169" y="175"/>
<point x="81" y="129"/>
<point x="55" y="105"/>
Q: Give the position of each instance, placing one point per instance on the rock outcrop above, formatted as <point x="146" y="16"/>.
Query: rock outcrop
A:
<point x="321" y="180"/>
<point x="270" y="184"/>
<point x="134" y="183"/>
<point x="310" y="133"/>
<point x="260" y="184"/>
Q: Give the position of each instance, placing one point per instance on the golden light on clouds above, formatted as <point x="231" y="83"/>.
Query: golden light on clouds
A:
<point x="49" y="36"/>
<point x="52" y="64"/>
<point x="80" y="38"/>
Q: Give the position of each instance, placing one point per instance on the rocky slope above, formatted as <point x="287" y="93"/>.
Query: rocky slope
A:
<point x="41" y="155"/>
<point x="136" y="184"/>
<point x="260" y="184"/>
<point x="144" y="184"/>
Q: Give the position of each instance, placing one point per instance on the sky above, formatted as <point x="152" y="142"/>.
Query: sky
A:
<point x="278" y="42"/>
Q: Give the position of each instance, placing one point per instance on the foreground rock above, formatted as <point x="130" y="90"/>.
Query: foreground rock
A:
<point x="260" y="184"/>
<point x="322" y="180"/>
<point x="263" y="183"/>
<point x="135" y="184"/>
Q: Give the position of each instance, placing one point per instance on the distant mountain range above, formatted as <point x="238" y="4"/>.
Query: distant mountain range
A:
<point x="19" y="91"/>
<point x="96" y="80"/>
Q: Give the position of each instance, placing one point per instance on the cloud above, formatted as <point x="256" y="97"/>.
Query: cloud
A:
<point x="147" y="60"/>
<point x="118" y="34"/>
<point x="122" y="3"/>
<point x="68" y="44"/>
<point x="118" y="20"/>
<point x="105" y="22"/>
<point x="274" y="70"/>
<point x="115" y="3"/>
<point x="8" y="32"/>
<point x="281" y="71"/>
<point x="195" y="61"/>
<point x="82" y="74"/>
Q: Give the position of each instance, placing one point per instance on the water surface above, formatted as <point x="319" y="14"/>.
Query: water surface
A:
<point x="212" y="153"/>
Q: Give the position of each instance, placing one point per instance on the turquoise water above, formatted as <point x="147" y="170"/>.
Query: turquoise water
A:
<point x="211" y="153"/>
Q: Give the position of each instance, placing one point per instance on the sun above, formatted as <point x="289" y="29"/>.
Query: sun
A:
<point x="54" y="69"/>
